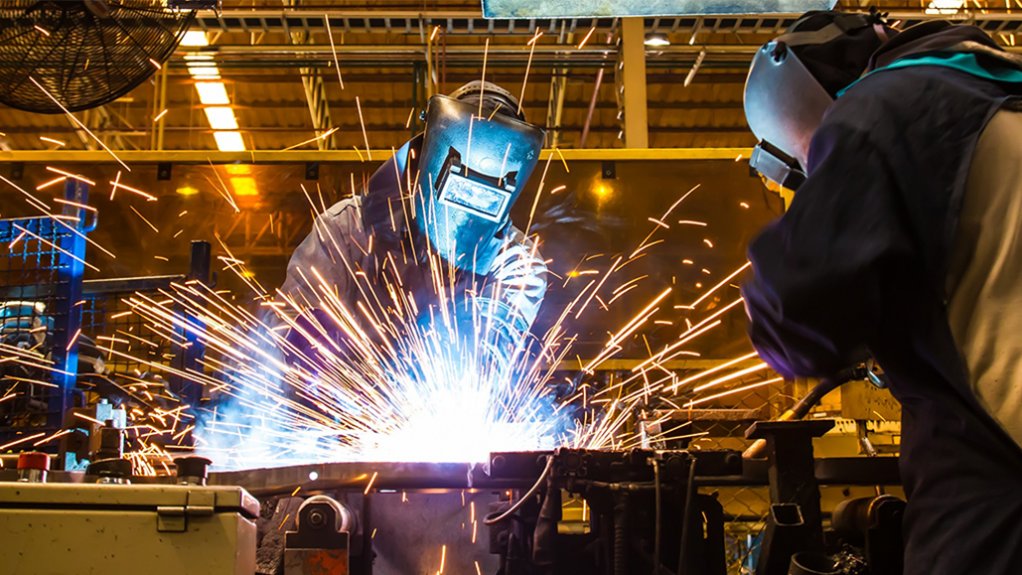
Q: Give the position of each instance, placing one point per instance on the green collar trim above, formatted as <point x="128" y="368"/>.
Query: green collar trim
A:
<point x="962" y="61"/>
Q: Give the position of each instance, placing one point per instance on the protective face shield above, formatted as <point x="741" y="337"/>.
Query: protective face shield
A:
<point x="471" y="169"/>
<point x="785" y="101"/>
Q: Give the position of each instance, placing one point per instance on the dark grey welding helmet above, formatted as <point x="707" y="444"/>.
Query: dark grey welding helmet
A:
<point x="793" y="80"/>
<point x="477" y="155"/>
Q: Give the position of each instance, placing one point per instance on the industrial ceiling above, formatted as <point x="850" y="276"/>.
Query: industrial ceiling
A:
<point x="276" y="63"/>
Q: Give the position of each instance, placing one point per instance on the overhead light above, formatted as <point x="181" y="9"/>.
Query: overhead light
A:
<point x="212" y="93"/>
<point x="221" y="118"/>
<point x="657" y="40"/>
<point x="944" y="6"/>
<point x="204" y="72"/>
<point x="195" y="38"/>
<point x="229" y="141"/>
<point x="187" y="190"/>
<point x="244" y="186"/>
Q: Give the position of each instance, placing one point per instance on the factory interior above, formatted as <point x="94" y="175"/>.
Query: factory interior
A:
<point x="239" y="335"/>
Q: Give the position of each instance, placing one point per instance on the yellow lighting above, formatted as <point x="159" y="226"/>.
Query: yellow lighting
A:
<point x="204" y="71"/>
<point x="195" y="38"/>
<point x="944" y="6"/>
<point x="187" y="191"/>
<point x="238" y="169"/>
<point x="229" y="141"/>
<point x="657" y="41"/>
<point x="212" y="93"/>
<point x="602" y="191"/>
<point x="244" y="186"/>
<point x="221" y="118"/>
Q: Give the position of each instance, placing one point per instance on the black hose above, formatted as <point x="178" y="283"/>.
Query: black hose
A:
<point x="798" y="411"/>
<point x="687" y="514"/>
<point x="801" y="409"/>
<point x="658" y="520"/>
<point x="497" y="517"/>
<point x="621" y="535"/>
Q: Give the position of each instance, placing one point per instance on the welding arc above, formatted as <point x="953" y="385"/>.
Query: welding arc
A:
<point x="491" y="519"/>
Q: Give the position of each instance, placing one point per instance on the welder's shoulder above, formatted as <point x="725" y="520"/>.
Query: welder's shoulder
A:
<point x="344" y="216"/>
<point x="887" y="102"/>
<point x="874" y="101"/>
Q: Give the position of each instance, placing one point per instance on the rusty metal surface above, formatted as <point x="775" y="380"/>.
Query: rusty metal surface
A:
<point x="316" y="562"/>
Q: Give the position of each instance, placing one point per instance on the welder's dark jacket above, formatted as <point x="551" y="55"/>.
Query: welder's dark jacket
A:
<point x="859" y="265"/>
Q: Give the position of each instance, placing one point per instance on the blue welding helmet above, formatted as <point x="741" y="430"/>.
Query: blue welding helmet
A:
<point x="471" y="168"/>
<point x="795" y="78"/>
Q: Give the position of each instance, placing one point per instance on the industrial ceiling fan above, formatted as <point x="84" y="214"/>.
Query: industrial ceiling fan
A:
<point x="85" y="53"/>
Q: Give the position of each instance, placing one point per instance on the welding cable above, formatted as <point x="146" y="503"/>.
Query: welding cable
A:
<point x="500" y="516"/>
<point x="798" y="411"/>
<point x="656" y="532"/>
<point x="690" y="490"/>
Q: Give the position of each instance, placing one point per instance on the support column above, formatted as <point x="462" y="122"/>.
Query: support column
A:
<point x="633" y="49"/>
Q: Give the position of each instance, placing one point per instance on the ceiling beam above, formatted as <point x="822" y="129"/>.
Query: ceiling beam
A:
<point x="339" y="156"/>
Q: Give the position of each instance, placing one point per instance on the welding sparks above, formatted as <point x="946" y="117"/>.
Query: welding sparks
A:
<point x="365" y="135"/>
<point x="333" y="50"/>
<point x="144" y="219"/>
<point x="586" y="39"/>
<point x="117" y="185"/>
<point x="78" y="122"/>
<point x="322" y="136"/>
<point x="82" y="179"/>
<point x="317" y="377"/>
<point x="49" y="183"/>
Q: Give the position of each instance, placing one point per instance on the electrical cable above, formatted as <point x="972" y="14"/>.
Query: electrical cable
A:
<point x="493" y="520"/>
<point x="656" y="532"/>
<point x="687" y="515"/>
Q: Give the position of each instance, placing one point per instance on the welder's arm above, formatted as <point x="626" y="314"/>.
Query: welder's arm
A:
<point x="326" y="259"/>
<point x="333" y="250"/>
<point x="509" y="300"/>
<point x="820" y="271"/>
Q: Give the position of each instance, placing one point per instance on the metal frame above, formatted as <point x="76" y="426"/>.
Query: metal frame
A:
<point x="336" y="156"/>
<point x="470" y="22"/>
<point x="55" y="264"/>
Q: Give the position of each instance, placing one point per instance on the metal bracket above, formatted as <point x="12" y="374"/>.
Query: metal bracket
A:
<point x="171" y="519"/>
<point x="174" y="518"/>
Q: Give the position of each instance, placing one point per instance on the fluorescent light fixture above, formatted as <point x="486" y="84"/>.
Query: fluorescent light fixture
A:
<point x="657" y="41"/>
<point x="229" y="141"/>
<point x="607" y="8"/>
<point x="944" y="6"/>
<point x="244" y="186"/>
<point x="204" y="72"/>
<point x="212" y="93"/>
<point x="195" y="38"/>
<point x="193" y="56"/>
<point x="221" y="118"/>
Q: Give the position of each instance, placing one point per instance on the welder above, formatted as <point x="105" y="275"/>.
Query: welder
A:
<point x="902" y="241"/>
<point x="442" y="202"/>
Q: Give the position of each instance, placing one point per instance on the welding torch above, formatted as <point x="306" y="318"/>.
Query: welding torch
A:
<point x="811" y="399"/>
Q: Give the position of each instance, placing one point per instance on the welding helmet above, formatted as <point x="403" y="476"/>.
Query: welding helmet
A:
<point x="477" y="155"/>
<point x="795" y="77"/>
